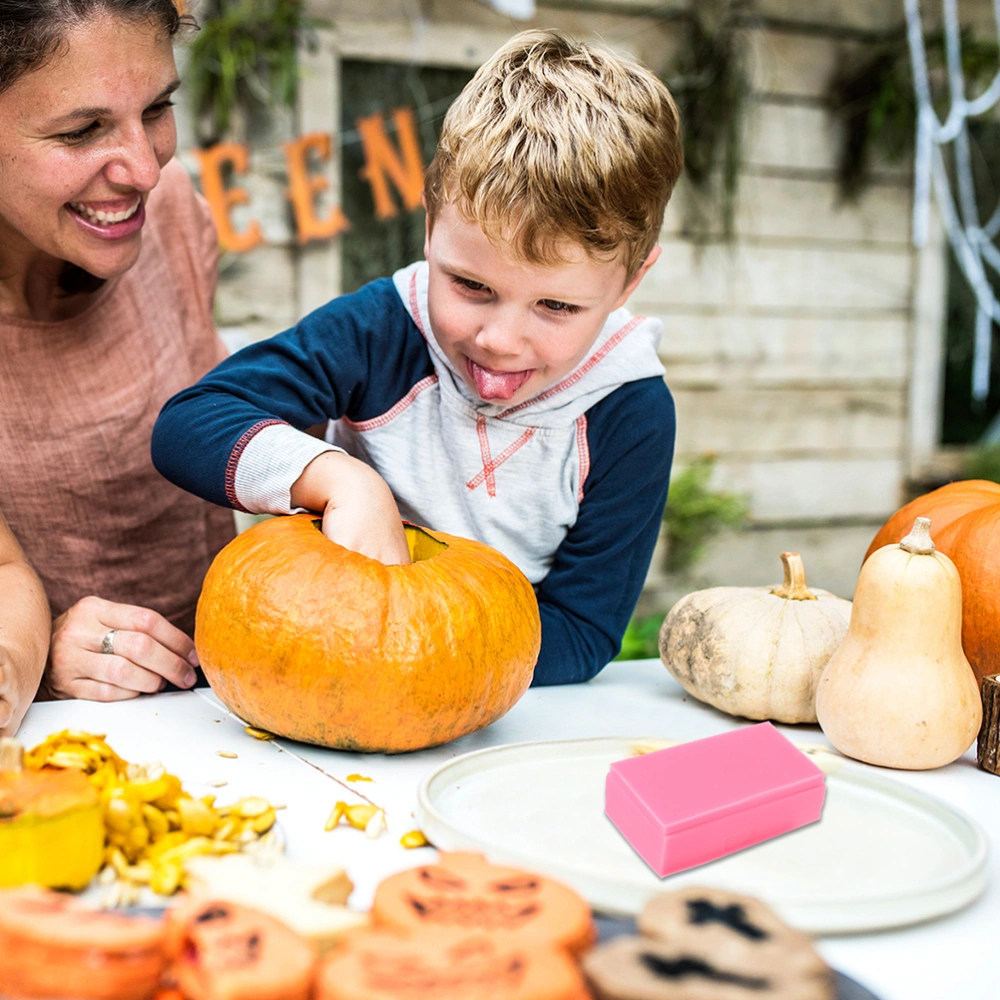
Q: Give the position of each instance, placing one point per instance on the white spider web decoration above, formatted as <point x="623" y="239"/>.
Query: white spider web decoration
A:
<point x="971" y="240"/>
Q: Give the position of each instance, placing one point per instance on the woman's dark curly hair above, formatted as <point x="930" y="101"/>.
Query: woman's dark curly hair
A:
<point x="32" y="30"/>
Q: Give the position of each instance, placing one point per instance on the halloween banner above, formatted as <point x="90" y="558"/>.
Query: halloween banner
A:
<point x="386" y="165"/>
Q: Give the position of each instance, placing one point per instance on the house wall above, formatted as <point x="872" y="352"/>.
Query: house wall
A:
<point x="804" y="352"/>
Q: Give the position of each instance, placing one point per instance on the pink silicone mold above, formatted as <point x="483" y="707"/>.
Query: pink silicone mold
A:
<point x="699" y="801"/>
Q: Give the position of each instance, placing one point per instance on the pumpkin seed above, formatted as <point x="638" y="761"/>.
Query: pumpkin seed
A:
<point x="259" y="734"/>
<point x="263" y="822"/>
<point x="250" y="808"/>
<point x="376" y="825"/>
<point x="227" y="753"/>
<point x="197" y="819"/>
<point x="359" y="816"/>
<point x="414" y="838"/>
<point x="334" y="817"/>
<point x="166" y="878"/>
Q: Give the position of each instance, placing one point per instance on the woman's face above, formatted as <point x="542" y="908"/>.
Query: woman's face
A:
<point x="82" y="142"/>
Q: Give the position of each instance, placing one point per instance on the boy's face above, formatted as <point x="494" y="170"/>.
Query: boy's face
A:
<point x="512" y="329"/>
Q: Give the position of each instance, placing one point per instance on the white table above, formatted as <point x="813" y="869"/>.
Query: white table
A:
<point x="945" y="959"/>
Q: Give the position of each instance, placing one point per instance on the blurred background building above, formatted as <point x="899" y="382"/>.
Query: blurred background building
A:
<point x="819" y="362"/>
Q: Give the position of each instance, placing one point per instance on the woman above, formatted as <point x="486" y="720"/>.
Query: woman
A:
<point x="107" y="275"/>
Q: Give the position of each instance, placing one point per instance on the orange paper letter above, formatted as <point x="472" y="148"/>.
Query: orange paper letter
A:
<point x="221" y="199"/>
<point x="303" y="188"/>
<point x="383" y="163"/>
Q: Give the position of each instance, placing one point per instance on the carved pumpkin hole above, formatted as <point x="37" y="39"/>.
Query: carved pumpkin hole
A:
<point x="682" y="968"/>
<point x="421" y="545"/>
<point x="516" y="885"/>
<point x="441" y="879"/>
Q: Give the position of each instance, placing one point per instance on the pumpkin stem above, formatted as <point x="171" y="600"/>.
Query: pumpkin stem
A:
<point x="794" y="588"/>
<point x="918" y="541"/>
<point x="11" y="755"/>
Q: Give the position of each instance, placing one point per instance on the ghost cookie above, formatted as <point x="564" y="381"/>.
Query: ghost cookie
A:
<point x="439" y="965"/>
<point x="734" y="930"/>
<point x="463" y="892"/>
<point x="642" y="968"/>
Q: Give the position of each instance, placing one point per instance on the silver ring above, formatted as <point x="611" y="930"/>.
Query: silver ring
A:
<point x="108" y="642"/>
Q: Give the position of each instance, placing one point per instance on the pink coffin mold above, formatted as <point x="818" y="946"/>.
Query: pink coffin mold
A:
<point x="693" y="803"/>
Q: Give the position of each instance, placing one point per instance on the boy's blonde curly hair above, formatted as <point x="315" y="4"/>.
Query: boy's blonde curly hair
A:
<point x="556" y="141"/>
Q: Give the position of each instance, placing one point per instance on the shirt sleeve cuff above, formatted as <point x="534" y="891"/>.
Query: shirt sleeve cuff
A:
<point x="269" y="465"/>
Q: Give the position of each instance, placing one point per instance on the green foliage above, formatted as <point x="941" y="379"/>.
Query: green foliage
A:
<point x="874" y="99"/>
<point x="641" y="639"/>
<point x="695" y="514"/>
<point x="245" y="54"/>
<point x="710" y="83"/>
<point x="984" y="463"/>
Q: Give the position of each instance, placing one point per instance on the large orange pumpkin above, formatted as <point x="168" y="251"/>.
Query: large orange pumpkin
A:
<point x="965" y="524"/>
<point x="307" y="639"/>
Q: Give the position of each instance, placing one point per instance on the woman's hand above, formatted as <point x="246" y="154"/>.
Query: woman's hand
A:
<point x="359" y="511"/>
<point x="147" y="652"/>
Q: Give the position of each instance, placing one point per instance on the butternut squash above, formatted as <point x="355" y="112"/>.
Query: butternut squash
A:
<point x="899" y="691"/>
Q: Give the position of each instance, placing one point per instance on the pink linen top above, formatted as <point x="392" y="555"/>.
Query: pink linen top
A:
<point x="78" y="399"/>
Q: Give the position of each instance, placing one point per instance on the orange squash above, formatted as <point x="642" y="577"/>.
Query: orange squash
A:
<point x="965" y="521"/>
<point x="307" y="639"/>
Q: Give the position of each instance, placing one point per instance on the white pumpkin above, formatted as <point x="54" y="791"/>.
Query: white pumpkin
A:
<point x="756" y="652"/>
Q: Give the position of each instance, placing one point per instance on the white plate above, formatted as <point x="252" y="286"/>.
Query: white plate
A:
<point x="883" y="855"/>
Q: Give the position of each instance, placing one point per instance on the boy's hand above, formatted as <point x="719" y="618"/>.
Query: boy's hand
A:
<point x="145" y="651"/>
<point x="359" y="511"/>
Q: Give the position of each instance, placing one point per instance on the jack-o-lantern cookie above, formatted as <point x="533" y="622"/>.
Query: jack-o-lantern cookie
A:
<point x="48" y="938"/>
<point x="463" y="892"/>
<point x="222" y="951"/>
<point x="440" y="965"/>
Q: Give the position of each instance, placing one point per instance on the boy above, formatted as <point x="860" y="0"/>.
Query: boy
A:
<point x="498" y="390"/>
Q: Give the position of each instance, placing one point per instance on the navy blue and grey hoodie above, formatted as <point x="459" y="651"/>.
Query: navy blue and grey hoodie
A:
<point x="570" y="484"/>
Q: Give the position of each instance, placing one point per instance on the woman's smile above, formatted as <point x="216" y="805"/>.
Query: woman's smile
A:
<point x="108" y="224"/>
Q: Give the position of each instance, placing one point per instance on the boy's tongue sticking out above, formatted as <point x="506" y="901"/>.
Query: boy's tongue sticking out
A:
<point x="496" y="384"/>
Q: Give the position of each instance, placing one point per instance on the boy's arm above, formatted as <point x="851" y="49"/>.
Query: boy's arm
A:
<point x="237" y="437"/>
<point x="25" y="627"/>
<point x="588" y="596"/>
